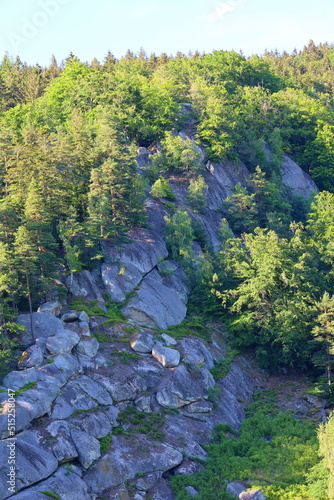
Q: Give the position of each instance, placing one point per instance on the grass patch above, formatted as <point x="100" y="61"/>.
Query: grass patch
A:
<point x="50" y="494"/>
<point x="271" y="452"/>
<point x="91" y="308"/>
<point x="222" y="367"/>
<point x="190" y="326"/>
<point x="141" y="423"/>
<point x="105" y="443"/>
<point x="29" y="385"/>
<point x="84" y="411"/>
<point x="101" y="337"/>
<point x="126" y="357"/>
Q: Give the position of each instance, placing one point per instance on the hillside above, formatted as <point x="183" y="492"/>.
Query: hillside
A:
<point x="165" y="247"/>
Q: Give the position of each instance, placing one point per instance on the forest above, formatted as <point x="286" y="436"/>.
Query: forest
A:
<point x="69" y="135"/>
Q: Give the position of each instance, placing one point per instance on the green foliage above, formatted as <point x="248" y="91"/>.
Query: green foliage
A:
<point x="273" y="453"/>
<point x="50" y="494"/>
<point x="105" y="443"/>
<point x="27" y="387"/>
<point x="141" y="423"/>
<point x="222" y="367"/>
<point x="197" y="196"/>
<point x="161" y="189"/>
<point x="179" y="234"/>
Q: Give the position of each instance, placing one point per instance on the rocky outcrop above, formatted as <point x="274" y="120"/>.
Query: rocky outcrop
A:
<point x="221" y="180"/>
<point x="83" y="284"/>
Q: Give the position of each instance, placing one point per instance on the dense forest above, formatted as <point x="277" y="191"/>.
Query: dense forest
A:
<point x="69" y="137"/>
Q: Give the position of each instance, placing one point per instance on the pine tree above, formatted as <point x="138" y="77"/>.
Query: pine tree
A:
<point x="323" y="333"/>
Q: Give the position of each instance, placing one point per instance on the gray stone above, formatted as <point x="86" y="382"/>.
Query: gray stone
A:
<point x="84" y="328"/>
<point x="84" y="285"/>
<point x="188" y="468"/>
<point x="88" y="346"/>
<point x="17" y="379"/>
<point x="142" y="342"/>
<point x="150" y="370"/>
<point x="54" y="307"/>
<point x="95" y="424"/>
<point x="155" y="305"/>
<point x="72" y="398"/>
<point x="66" y="363"/>
<point x="88" y="447"/>
<point x="161" y="491"/>
<point x="128" y="458"/>
<point x="147" y="249"/>
<point x="187" y="435"/>
<point x="95" y="390"/>
<point x="33" y="356"/>
<point x="123" y="385"/>
<point x="221" y="180"/>
<point x="147" y="481"/>
<point x="120" y="279"/>
<point x="32" y="464"/>
<point x="192" y="492"/>
<point x="112" y="413"/>
<point x="62" y="341"/>
<point x="44" y="323"/>
<point x="293" y="176"/>
<point x="168" y="340"/>
<point x="183" y="387"/>
<point x="199" y="407"/>
<point x="83" y="316"/>
<point x="70" y="316"/>
<point x="196" y="353"/>
<point x="235" y="489"/>
<point x="143" y="403"/>
<point x="59" y="441"/>
<point x="64" y="483"/>
<point x="38" y="401"/>
<point x="22" y="417"/>
<point x="252" y="495"/>
<point x="169" y="358"/>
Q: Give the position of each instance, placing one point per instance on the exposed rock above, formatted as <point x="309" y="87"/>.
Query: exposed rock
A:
<point x="88" y="346"/>
<point x="83" y="316"/>
<point x="187" y="435"/>
<point x="192" y="492"/>
<point x="112" y="413"/>
<point x="84" y="285"/>
<point x="168" y="340"/>
<point x="120" y="279"/>
<point x="142" y="342"/>
<point x="88" y="447"/>
<point x="236" y="390"/>
<point x="147" y="249"/>
<point x="123" y="385"/>
<point x="188" y="468"/>
<point x="38" y="401"/>
<point x="70" y="316"/>
<point x="196" y="353"/>
<point x="183" y="387"/>
<point x="199" y="407"/>
<point x="32" y="464"/>
<point x="150" y="370"/>
<point x="65" y="363"/>
<point x="221" y="180"/>
<point x="59" y="441"/>
<point x="252" y="495"/>
<point x="293" y="176"/>
<point x="146" y="482"/>
<point x="143" y="403"/>
<point x="169" y="358"/>
<point x="155" y="305"/>
<point x="235" y="489"/>
<point x="33" y="356"/>
<point x="161" y="491"/>
<point x="44" y="323"/>
<point x="127" y="458"/>
<point x="54" y="307"/>
<point x="17" y="379"/>
<point x="95" y="424"/>
<point x="62" y="341"/>
<point x="64" y="483"/>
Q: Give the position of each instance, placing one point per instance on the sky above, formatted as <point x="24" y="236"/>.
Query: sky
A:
<point x="37" y="29"/>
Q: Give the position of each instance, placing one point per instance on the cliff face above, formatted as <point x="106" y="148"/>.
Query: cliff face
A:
<point x="149" y="397"/>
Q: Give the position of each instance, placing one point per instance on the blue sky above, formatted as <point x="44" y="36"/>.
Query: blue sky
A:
<point x="36" y="29"/>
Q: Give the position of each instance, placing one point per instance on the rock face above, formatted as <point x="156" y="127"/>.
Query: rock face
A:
<point x="84" y="285"/>
<point x="155" y="304"/>
<point x="128" y="458"/>
<point x="221" y="180"/>
<point x="293" y="176"/>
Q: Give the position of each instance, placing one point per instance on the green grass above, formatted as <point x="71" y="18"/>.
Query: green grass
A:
<point x="126" y="357"/>
<point x="195" y="325"/>
<point x="28" y="386"/>
<point x="105" y="443"/>
<point x="50" y="494"/>
<point x="141" y="423"/>
<point x="101" y="337"/>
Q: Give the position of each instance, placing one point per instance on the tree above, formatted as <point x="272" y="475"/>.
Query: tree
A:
<point x="240" y="209"/>
<point x="161" y="189"/>
<point x="323" y="334"/>
<point x="179" y="234"/>
<point x="197" y="193"/>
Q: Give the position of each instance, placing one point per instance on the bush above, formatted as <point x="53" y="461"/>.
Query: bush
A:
<point x="161" y="189"/>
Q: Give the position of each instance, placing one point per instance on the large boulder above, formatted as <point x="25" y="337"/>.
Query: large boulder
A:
<point x="168" y="357"/>
<point x="88" y="346"/>
<point x="156" y="305"/>
<point x="62" y="341"/>
<point x="181" y="386"/>
<point x="33" y="356"/>
<point x="129" y="458"/>
<point x="252" y="495"/>
<point x="95" y="424"/>
<point x="32" y="464"/>
<point x="44" y="325"/>
<point x="88" y="447"/>
<point x="84" y="285"/>
<point x="120" y="279"/>
<point x="123" y="384"/>
<point x="64" y="483"/>
<point x="54" y="307"/>
<point x="57" y="438"/>
<point x="142" y="342"/>
<point x="147" y="249"/>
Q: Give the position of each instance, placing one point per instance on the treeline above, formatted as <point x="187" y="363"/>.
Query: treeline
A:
<point x="68" y="140"/>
